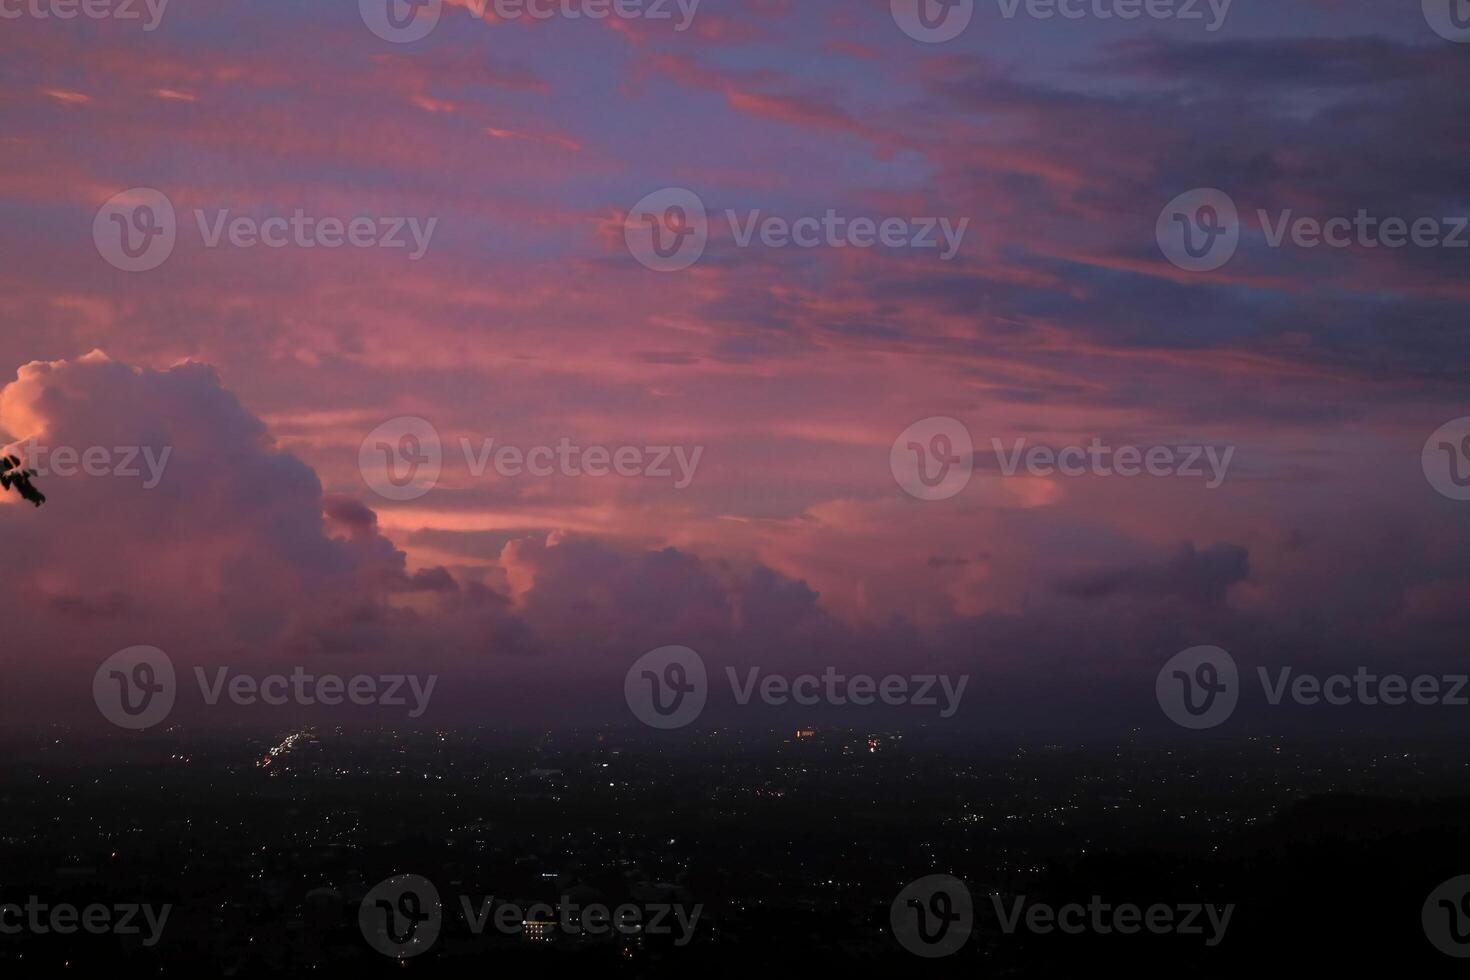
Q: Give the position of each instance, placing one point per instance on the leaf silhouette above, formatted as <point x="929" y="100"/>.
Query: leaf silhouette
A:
<point x="12" y="475"/>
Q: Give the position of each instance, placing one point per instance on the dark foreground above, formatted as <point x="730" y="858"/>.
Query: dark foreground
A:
<point x="723" y="853"/>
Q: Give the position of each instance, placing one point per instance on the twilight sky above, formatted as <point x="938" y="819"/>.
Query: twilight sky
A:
<point x="1059" y="320"/>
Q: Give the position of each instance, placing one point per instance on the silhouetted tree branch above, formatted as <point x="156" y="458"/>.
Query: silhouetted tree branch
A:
<point x="11" y="475"/>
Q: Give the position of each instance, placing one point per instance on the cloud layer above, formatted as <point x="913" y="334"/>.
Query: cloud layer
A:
<point x="1059" y="322"/>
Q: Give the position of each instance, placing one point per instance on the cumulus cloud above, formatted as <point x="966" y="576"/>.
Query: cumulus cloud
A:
<point x="234" y="551"/>
<point x="238" y="557"/>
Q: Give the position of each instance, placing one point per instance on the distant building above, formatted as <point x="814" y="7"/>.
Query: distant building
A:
<point x="538" y="928"/>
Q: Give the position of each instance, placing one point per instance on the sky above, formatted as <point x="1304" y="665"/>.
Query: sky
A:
<point x="502" y="291"/>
